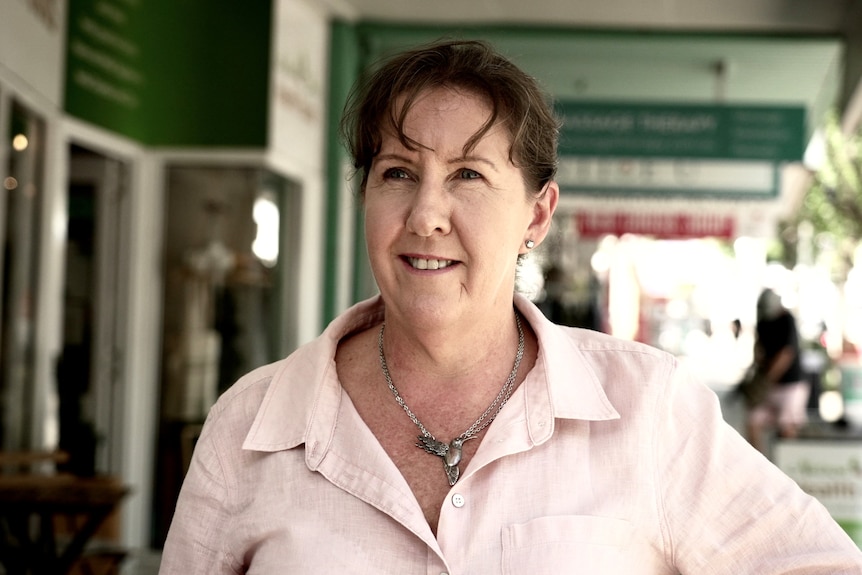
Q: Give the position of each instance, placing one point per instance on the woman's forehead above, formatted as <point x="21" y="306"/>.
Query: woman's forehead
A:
<point x="436" y="103"/>
<point x="444" y="97"/>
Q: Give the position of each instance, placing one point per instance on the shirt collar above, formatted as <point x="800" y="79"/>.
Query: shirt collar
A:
<point x="302" y="402"/>
<point x="572" y="387"/>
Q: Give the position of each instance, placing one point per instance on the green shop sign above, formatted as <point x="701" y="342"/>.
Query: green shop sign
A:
<point x="168" y="73"/>
<point x="598" y="129"/>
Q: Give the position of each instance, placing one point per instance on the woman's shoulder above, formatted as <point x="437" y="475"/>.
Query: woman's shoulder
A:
<point x="600" y="344"/>
<point x="592" y="359"/>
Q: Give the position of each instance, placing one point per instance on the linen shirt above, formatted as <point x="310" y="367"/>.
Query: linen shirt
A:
<point x="606" y="460"/>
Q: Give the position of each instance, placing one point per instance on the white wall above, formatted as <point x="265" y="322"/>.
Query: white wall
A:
<point x="32" y="47"/>
<point x="297" y="138"/>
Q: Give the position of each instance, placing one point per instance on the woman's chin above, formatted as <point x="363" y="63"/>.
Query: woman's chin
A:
<point x="426" y="311"/>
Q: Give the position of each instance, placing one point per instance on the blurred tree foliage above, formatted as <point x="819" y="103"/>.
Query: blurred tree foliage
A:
<point x="833" y="203"/>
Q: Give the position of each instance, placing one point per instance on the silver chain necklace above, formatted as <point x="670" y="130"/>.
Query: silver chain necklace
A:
<point x="451" y="452"/>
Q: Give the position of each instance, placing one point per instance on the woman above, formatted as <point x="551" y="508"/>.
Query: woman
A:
<point x="446" y="426"/>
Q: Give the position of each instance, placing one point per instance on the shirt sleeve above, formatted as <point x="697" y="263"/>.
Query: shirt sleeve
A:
<point x="196" y="541"/>
<point x="727" y="509"/>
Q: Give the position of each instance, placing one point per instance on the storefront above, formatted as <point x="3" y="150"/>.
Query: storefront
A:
<point x="153" y="211"/>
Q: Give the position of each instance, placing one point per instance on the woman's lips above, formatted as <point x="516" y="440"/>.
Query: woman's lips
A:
<point x="428" y="264"/>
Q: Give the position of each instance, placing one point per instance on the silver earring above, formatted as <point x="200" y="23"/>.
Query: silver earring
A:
<point x="530" y="244"/>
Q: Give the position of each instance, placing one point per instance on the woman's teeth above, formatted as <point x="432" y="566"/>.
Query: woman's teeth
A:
<point x="423" y="264"/>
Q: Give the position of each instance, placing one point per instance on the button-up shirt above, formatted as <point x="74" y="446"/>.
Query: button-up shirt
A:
<point x="606" y="460"/>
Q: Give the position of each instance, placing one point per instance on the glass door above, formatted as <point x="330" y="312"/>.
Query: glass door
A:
<point x="21" y="198"/>
<point x="88" y="383"/>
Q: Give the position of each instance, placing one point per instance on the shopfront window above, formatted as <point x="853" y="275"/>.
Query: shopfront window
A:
<point x="225" y="299"/>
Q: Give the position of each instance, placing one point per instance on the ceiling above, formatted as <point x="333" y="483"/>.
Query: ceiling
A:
<point x="787" y="20"/>
<point x="777" y="50"/>
<point x="769" y="51"/>
<point x="771" y="16"/>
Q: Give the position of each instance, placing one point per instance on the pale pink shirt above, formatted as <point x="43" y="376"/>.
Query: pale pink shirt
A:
<point x="603" y="462"/>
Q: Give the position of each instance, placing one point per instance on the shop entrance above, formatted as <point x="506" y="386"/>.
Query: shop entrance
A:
<point x="89" y="386"/>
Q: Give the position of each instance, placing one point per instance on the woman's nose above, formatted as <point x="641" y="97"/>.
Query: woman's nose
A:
<point x="430" y="210"/>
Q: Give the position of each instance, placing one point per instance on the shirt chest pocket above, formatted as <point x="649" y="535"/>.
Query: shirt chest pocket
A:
<point x="571" y="544"/>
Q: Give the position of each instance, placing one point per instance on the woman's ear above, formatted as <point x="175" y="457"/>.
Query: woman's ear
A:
<point x="543" y="212"/>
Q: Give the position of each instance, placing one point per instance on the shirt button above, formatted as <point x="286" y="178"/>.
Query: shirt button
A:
<point x="458" y="500"/>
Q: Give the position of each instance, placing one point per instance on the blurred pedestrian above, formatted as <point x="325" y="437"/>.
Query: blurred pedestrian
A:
<point x="783" y="403"/>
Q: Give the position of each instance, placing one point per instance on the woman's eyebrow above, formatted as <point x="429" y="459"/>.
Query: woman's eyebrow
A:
<point x="480" y="159"/>
<point x="392" y="156"/>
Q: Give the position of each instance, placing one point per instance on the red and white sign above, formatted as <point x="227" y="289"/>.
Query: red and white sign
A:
<point x="659" y="225"/>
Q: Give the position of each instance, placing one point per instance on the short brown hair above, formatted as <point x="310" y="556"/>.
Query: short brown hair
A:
<point x="515" y="98"/>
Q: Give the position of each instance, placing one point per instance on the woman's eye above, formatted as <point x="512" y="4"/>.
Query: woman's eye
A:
<point x="395" y="174"/>
<point x="468" y="174"/>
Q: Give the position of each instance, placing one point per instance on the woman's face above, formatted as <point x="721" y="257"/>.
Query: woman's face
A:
<point x="444" y="229"/>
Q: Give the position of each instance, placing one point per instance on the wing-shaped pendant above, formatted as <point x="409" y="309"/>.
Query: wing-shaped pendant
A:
<point x="433" y="446"/>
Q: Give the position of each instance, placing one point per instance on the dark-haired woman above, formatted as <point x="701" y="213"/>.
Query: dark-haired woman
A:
<point x="446" y="426"/>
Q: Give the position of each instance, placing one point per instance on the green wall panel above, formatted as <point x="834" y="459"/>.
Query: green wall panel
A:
<point x="171" y="72"/>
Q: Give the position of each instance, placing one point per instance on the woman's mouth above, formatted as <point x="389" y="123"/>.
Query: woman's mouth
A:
<point x="426" y="264"/>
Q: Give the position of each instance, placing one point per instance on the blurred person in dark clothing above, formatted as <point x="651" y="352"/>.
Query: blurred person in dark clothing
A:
<point x="583" y="312"/>
<point x="553" y="305"/>
<point x="777" y="358"/>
